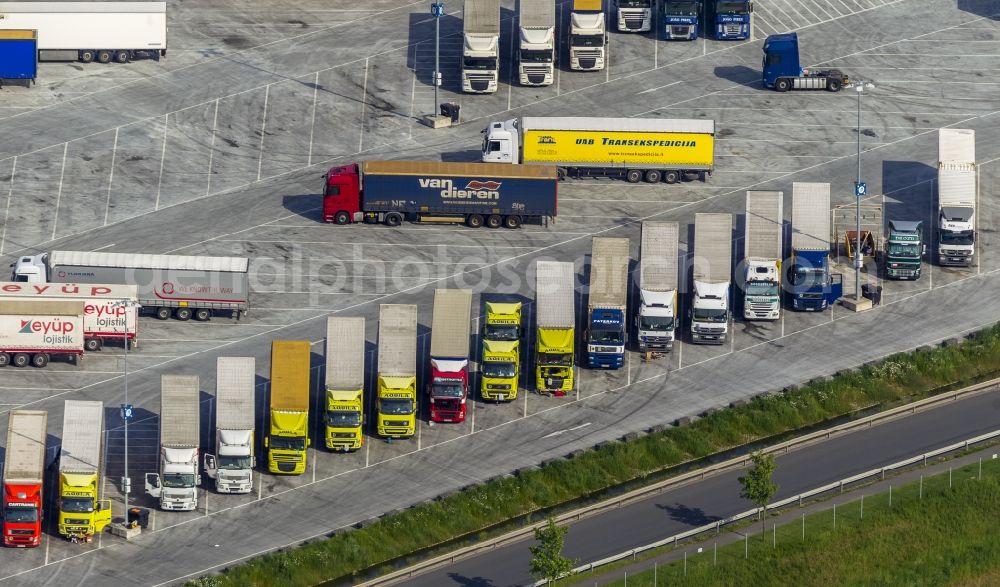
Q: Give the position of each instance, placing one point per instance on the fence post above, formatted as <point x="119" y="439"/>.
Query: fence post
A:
<point x="980" y="478"/>
<point x="626" y="578"/>
<point x="834" y="516"/>
<point x="949" y="477"/>
<point x="803" y="527"/>
<point x="654" y="573"/>
<point x="715" y="553"/>
<point x="862" y="507"/>
<point x="774" y="536"/>
<point x="685" y="563"/>
<point x="746" y="545"/>
<point x="921" y="487"/>
<point x="890" y="496"/>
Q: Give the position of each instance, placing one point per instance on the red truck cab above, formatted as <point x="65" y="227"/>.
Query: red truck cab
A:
<point x="22" y="515"/>
<point x="342" y="194"/>
<point x="448" y="390"/>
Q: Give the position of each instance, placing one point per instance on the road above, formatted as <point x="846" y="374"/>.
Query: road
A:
<point x="718" y="497"/>
<point x="219" y="150"/>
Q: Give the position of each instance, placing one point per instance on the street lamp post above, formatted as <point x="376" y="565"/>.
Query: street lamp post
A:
<point x="437" y="10"/>
<point x="859" y="191"/>
<point x="126" y="409"/>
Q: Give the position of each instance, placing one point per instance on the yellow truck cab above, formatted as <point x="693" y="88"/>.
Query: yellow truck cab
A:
<point x="345" y="379"/>
<point x="288" y="435"/>
<point x="501" y="357"/>
<point x="397" y="371"/>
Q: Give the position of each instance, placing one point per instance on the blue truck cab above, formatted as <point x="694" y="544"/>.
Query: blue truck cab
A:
<point x="782" y="70"/>
<point x="606" y="339"/>
<point x="680" y="19"/>
<point x="813" y="287"/>
<point x="18" y="54"/>
<point x="730" y="19"/>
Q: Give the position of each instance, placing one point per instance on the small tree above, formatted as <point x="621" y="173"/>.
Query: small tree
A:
<point x="758" y="487"/>
<point x="547" y="560"/>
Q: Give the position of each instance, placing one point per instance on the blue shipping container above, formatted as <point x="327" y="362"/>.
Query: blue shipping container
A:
<point x="18" y="54"/>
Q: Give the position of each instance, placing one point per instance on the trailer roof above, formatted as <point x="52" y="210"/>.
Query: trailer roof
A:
<point x="397" y="340"/>
<point x="83" y="430"/>
<point x="42" y="307"/>
<point x="596" y="5"/>
<point x="658" y="256"/>
<point x="537" y="13"/>
<point x="180" y="408"/>
<point x="235" y="384"/>
<point x="450" y="324"/>
<point x="609" y="260"/>
<point x="24" y="459"/>
<point x="680" y="125"/>
<point x="290" y="362"/>
<point x="481" y="17"/>
<point x="810" y="216"/>
<point x="956" y="186"/>
<point x="956" y="145"/>
<point x="503" y="170"/>
<point x="23" y="34"/>
<point x="345" y="352"/>
<point x="555" y="283"/>
<point x="764" y="225"/>
<point x="713" y="246"/>
<point x="84" y="7"/>
<point x="147" y="261"/>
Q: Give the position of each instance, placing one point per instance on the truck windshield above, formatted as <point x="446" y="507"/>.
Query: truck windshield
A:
<point x="586" y="40"/>
<point x="534" y="56"/>
<point x="395" y="407"/>
<point x="606" y="337"/>
<point x="343" y="419"/>
<point x="501" y="332"/>
<point x="20" y="515"/>
<point x="554" y="358"/>
<point x="957" y="238"/>
<point x="730" y="7"/>
<point x="482" y="63"/>
<point x="279" y="443"/>
<point x="808" y="277"/>
<point x="447" y="390"/>
<point x="658" y="323"/>
<point x="77" y="505"/>
<point x="234" y="463"/>
<point x="680" y="8"/>
<point x="178" y="480"/>
<point x="904" y="249"/>
<point x="761" y="288"/>
<point x="709" y="315"/>
<point x="498" y="369"/>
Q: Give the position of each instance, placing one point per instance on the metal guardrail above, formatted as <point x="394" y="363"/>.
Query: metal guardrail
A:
<point x="836" y="485"/>
<point x="432" y="563"/>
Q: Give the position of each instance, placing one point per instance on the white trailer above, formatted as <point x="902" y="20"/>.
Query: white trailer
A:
<point x="176" y="485"/>
<point x="957" y="196"/>
<point x="92" y="31"/>
<point x="233" y="462"/>
<point x="537" y="49"/>
<point x="481" y="46"/>
<point x="35" y="331"/>
<point x="656" y="319"/>
<point x="712" y="267"/>
<point x="110" y="311"/>
<point x="762" y="250"/>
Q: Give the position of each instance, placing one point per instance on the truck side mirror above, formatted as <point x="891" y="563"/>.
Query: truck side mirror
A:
<point x="308" y="442"/>
<point x="266" y="443"/>
<point x="153" y="484"/>
<point x="210" y="465"/>
<point x="198" y="480"/>
<point x="253" y="462"/>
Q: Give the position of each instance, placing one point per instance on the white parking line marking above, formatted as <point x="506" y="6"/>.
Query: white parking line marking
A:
<point x="163" y="158"/>
<point x="364" y="100"/>
<point x="211" y="148"/>
<point x="55" y="215"/>
<point x="6" y="211"/>
<point x="312" y="121"/>
<point x="661" y="87"/>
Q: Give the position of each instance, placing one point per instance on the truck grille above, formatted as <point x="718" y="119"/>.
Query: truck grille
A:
<point x="732" y="30"/>
<point x="75" y="521"/>
<point x="954" y="253"/>
<point x="680" y="31"/>
<point x="17" y="532"/>
<point x="588" y="57"/>
<point x="633" y="21"/>
<point x="287" y="458"/>
<point x="343" y="435"/>
<point x="479" y="82"/>
<point x="536" y="74"/>
<point x="709" y="330"/>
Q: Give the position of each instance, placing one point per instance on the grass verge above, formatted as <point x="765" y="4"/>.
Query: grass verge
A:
<point x="507" y="502"/>
<point x="939" y="534"/>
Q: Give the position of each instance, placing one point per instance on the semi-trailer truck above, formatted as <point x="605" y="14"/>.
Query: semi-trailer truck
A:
<point x="813" y="287"/>
<point x="634" y="16"/>
<point x="607" y="303"/>
<point x="763" y="249"/>
<point x="680" y="19"/>
<point x="629" y="148"/>
<point x="233" y="462"/>
<point x="183" y="285"/>
<point x="110" y="311"/>
<point x="588" y="36"/>
<point x="397" y="371"/>
<point x="729" y="19"/>
<point x="904" y="249"/>
<point x="957" y="196"/>
<point x="711" y="269"/>
<point x="481" y="46"/>
<point x="555" y="318"/>
<point x="345" y="382"/>
<point x="500" y="369"/>
<point x="288" y="435"/>
<point x="176" y="483"/>
<point x="82" y="512"/>
<point x="656" y="320"/>
<point x="34" y="332"/>
<point x="448" y="388"/>
<point x="782" y="71"/>
<point x="24" y="477"/>
<point x="537" y="42"/>
<point x="92" y="31"/>
<point x="428" y="191"/>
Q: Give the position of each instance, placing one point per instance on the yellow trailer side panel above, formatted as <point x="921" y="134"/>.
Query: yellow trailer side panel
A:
<point x="611" y="148"/>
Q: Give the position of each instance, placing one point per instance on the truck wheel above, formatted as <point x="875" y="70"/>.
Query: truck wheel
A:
<point x="182" y="314"/>
<point x="783" y="84"/>
<point x="20" y="359"/>
<point x="494" y="221"/>
<point x="162" y="313"/>
<point x="40" y="360"/>
<point x="671" y="177"/>
<point x="393" y="219"/>
<point x="104" y="56"/>
<point x="86" y="56"/>
<point x="92" y="344"/>
<point x="4" y="359"/>
<point x="833" y="84"/>
<point x="653" y="176"/>
<point x="341" y="218"/>
<point x="121" y="57"/>
<point x="202" y="314"/>
<point x="474" y="221"/>
<point x="512" y="221"/>
<point x="633" y="176"/>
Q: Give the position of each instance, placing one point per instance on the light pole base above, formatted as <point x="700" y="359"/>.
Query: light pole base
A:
<point x="856" y="305"/>
<point x="436" y="121"/>
<point x="126" y="532"/>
